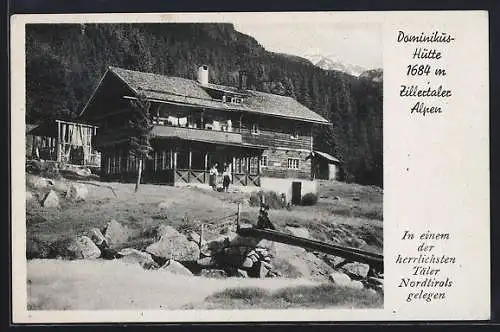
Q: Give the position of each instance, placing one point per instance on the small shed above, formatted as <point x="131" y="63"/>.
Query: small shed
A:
<point x="63" y="141"/>
<point x="325" y="166"/>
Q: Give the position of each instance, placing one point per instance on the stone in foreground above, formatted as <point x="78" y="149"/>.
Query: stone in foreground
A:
<point x="84" y="248"/>
<point x="134" y="256"/>
<point x="77" y="192"/>
<point x="356" y="270"/>
<point x="173" y="245"/>
<point x="51" y="200"/>
<point x="176" y="268"/>
<point x="339" y="278"/>
<point x="116" y="234"/>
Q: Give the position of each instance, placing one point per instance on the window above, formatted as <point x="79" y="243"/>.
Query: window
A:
<point x="254" y="165"/>
<point x="236" y="100"/>
<point x="240" y="165"/>
<point x="263" y="161"/>
<point x="293" y="163"/>
<point x="255" y="129"/>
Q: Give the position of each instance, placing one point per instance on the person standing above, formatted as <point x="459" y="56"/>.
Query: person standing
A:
<point x="226" y="177"/>
<point x="213" y="176"/>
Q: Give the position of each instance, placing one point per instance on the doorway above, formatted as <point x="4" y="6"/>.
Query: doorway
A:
<point x="296" y="192"/>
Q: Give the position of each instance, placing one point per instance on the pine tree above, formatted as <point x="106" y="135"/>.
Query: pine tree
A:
<point x="142" y="127"/>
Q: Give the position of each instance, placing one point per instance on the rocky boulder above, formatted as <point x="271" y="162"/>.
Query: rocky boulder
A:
<point x="38" y="182"/>
<point x="174" y="245"/>
<point x="193" y="236"/>
<point x="61" y="186"/>
<point x="356" y="284"/>
<point x="214" y="246"/>
<point x="292" y="261"/>
<point x="77" y="192"/>
<point x="264" y="269"/>
<point x="206" y="262"/>
<point x="356" y="270"/>
<point x="96" y="236"/>
<point x="175" y="267"/>
<point x="134" y="256"/>
<point x="241" y="273"/>
<point x="333" y="261"/>
<point x="116" y="234"/>
<point x="51" y="200"/>
<point x="249" y="242"/>
<point x="339" y="278"/>
<point x="83" y="248"/>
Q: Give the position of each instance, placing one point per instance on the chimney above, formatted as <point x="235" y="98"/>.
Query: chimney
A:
<point x="203" y="75"/>
<point x="243" y="80"/>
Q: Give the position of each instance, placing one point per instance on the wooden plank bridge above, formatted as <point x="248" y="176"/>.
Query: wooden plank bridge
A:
<point x="266" y="230"/>
<point x="375" y="261"/>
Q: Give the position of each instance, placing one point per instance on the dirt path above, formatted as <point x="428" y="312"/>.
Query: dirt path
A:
<point x="91" y="285"/>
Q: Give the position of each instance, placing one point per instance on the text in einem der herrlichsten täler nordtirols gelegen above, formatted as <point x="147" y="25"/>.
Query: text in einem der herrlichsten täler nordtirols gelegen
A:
<point x="424" y="83"/>
<point x="427" y="278"/>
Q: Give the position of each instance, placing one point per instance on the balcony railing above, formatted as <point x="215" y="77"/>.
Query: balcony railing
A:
<point x="197" y="134"/>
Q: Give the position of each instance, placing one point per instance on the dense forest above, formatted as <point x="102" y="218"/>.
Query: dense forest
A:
<point x="65" y="61"/>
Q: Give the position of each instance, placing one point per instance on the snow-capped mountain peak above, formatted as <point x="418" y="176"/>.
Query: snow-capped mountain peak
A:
<point x="330" y="62"/>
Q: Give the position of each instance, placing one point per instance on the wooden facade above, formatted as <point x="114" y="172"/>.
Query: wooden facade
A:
<point x="196" y="127"/>
<point x="64" y="141"/>
<point x="325" y="166"/>
<point x="182" y="161"/>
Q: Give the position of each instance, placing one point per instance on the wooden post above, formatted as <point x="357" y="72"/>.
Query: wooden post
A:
<point x="58" y="141"/>
<point x="119" y="161"/>
<point x="189" y="163"/>
<point x="233" y="164"/>
<point x="201" y="236"/>
<point x="247" y="166"/>
<point x="206" y="168"/>
<point x="175" y="164"/>
<point x="238" y="217"/>
<point x="108" y="163"/>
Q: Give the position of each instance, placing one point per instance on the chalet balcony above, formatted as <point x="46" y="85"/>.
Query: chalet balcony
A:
<point x="195" y="134"/>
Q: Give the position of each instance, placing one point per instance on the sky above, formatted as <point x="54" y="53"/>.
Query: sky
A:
<point x="351" y="43"/>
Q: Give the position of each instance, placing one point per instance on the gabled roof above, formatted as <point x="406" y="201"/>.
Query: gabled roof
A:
<point x="191" y="93"/>
<point x="329" y="158"/>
